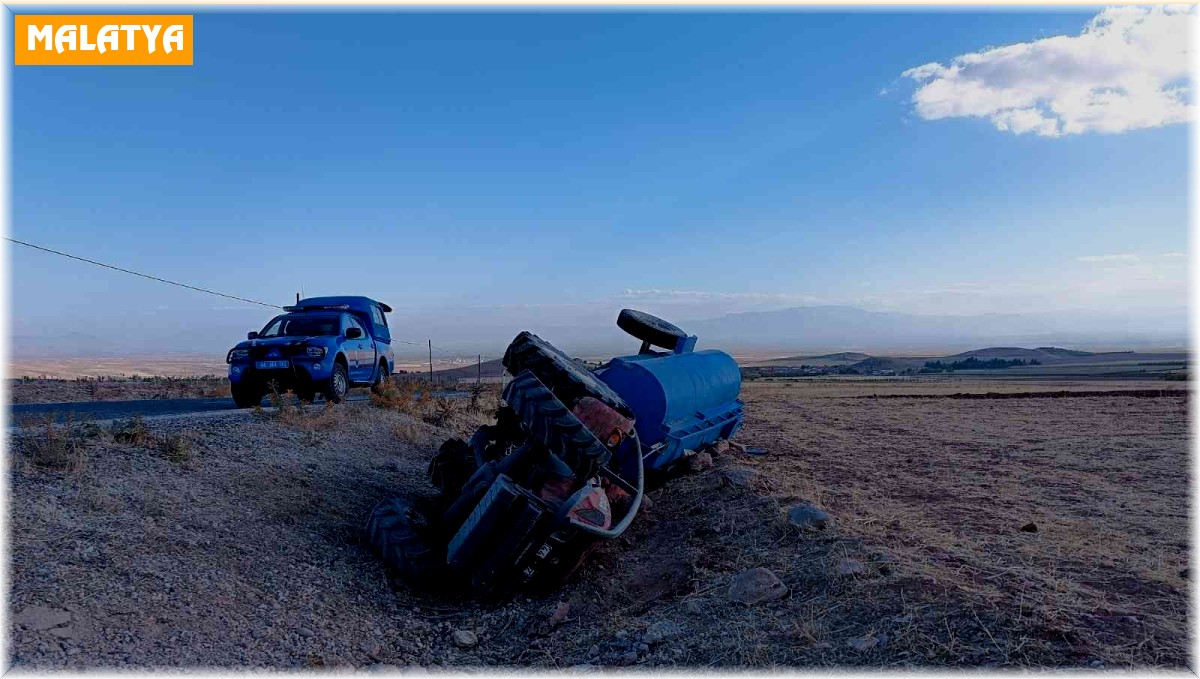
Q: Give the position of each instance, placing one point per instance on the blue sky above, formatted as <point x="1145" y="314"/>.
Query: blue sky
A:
<point x="563" y="165"/>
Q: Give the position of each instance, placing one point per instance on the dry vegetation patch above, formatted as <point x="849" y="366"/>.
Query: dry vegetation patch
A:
<point x="245" y="551"/>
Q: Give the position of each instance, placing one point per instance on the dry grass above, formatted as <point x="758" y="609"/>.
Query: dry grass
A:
<point x="256" y="535"/>
<point x="116" y="388"/>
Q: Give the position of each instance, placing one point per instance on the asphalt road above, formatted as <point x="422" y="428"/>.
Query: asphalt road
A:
<point x="21" y="413"/>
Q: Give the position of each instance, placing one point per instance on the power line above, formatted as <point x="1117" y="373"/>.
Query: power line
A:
<point x="135" y="273"/>
<point x="189" y="287"/>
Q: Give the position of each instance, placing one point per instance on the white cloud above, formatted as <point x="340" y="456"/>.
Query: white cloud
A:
<point x="1107" y="258"/>
<point x="1127" y="70"/>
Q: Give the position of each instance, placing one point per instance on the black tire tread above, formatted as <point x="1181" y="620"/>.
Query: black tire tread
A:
<point x="552" y="424"/>
<point x="246" y="396"/>
<point x="565" y="378"/>
<point x="396" y="530"/>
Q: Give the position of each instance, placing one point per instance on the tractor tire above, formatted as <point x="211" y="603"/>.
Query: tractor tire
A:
<point x="246" y="395"/>
<point x="548" y="422"/>
<point x="568" y="380"/>
<point x="452" y="467"/>
<point x="650" y="329"/>
<point x="400" y="534"/>
<point x="338" y="384"/>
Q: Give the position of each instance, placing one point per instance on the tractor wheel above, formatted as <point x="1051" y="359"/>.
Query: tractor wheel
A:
<point x="246" y="395"/>
<point x="452" y="466"/>
<point x="568" y="380"/>
<point x="651" y="329"/>
<point x="400" y="534"/>
<point x="547" y="421"/>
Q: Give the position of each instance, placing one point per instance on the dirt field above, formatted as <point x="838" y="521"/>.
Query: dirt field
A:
<point x="234" y="541"/>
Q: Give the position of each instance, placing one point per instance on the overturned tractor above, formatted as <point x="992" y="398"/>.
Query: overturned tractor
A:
<point x="565" y="464"/>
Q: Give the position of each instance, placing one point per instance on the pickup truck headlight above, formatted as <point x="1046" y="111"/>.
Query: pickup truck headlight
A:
<point x="236" y="354"/>
<point x="316" y="352"/>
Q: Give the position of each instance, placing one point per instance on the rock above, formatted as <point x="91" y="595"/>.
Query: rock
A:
<point x="42" y="617"/>
<point x="1185" y="573"/>
<point x="851" y="567"/>
<point x="739" y="476"/>
<point x="1029" y="528"/>
<point x="661" y="631"/>
<point x="868" y="642"/>
<point x="756" y="586"/>
<point x="629" y="658"/>
<point x="305" y="632"/>
<point x="699" y="462"/>
<point x="465" y="638"/>
<point x="641" y="647"/>
<point x="560" y="614"/>
<point x="721" y="447"/>
<point x="806" y="516"/>
<point x="739" y="447"/>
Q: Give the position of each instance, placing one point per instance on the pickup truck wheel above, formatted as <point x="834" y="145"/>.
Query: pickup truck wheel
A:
<point x="307" y="394"/>
<point x="568" y="380"/>
<point x="246" y="395"/>
<point x="551" y="424"/>
<point x="380" y="376"/>
<point x="401" y="535"/>
<point x="339" y="384"/>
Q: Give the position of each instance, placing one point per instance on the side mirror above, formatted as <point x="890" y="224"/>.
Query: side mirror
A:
<point x="353" y="333"/>
<point x="252" y="335"/>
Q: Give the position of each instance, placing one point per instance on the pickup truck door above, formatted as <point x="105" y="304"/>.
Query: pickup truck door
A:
<point x="356" y="350"/>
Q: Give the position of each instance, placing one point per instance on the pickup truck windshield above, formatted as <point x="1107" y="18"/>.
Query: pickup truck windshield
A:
<point x="307" y="325"/>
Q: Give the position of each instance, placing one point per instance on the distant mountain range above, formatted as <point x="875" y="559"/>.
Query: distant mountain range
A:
<point x="848" y="328"/>
<point x="841" y="329"/>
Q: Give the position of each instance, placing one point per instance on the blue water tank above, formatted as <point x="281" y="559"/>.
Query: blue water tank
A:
<point x="681" y="400"/>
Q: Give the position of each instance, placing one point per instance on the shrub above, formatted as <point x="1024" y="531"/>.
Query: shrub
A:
<point x="54" y="449"/>
<point x="133" y="430"/>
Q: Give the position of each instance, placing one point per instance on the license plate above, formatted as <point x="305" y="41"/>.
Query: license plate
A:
<point x="271" y="365"/>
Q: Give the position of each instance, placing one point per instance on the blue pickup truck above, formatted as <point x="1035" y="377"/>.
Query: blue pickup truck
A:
<point x="322" y="344"/>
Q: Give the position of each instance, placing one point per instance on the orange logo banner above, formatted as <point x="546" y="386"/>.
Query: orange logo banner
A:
<point x="103" y="39"/>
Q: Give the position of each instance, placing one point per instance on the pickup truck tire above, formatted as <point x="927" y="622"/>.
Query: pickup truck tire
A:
<point x="400" y="533"/>
<point x="565" y="378"/>
<point x="246" y="395"/>
<point x="547" y="421"/>
<point x="380" y="375"/>
<point x="649" y="328"/>
<point x="306" y="394"/>
<point x="338" y="385"/>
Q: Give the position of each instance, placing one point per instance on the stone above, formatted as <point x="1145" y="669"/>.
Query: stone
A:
<point x="851" y="567"/>
<point x="465" y="638"/>
<point x="42" y="617"/>
<point x="756" y="586"/>
<point x="806" y="516"/>
<point x="305" y="632"/>
<point x="1029" y="528"/>
<point x="629" y="658"/>
<point x="641" y="647"/>
<point x="699" y="462"/>
<point x="662" y="631"/>
<point x="868" y="642"/>
<point x="721" y="447"/>
<point x="739" y="476"/>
